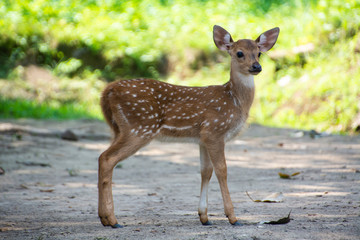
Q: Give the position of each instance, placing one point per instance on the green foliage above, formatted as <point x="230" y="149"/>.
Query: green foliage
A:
<point x="67" y="67"/>
<point x="84" y="43"/>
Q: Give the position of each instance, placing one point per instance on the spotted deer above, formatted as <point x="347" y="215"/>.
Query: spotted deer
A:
<point x="140" y="110"/>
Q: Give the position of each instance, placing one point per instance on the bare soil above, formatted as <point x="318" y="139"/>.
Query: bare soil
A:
<point x="49" y="189"/>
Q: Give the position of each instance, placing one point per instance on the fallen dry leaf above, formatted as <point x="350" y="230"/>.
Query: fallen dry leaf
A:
<point x="287" y="176"/>
<point x="272" y="198"/>
<point x="280" y="221"/>
<point x="284" y="175"/>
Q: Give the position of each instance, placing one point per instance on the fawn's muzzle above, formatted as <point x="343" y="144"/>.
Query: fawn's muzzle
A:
<point x="255" y="68"/>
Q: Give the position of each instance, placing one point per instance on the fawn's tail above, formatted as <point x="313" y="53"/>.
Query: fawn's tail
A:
<point x="107" y="112"/>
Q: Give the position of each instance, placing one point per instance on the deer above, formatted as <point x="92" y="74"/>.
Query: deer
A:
<point x="140" y="110"/>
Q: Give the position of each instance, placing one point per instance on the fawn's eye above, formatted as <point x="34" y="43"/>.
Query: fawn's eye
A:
<point x="259" y="54"/>
<point x="240" y="54"/>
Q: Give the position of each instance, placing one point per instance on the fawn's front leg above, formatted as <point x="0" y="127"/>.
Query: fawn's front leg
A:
<point x="206" y="172"/>
<point x="215" y="149"/>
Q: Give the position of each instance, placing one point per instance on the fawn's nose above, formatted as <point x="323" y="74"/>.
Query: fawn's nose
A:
<point x="256" y="67"/>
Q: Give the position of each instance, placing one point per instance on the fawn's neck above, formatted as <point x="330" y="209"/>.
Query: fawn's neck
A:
<point x="243" y="89"/>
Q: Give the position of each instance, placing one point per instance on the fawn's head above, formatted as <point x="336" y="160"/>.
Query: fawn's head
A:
<point x="245" y="53"/>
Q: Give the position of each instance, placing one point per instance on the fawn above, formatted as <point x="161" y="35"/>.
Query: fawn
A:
<point x="140" y="110"/>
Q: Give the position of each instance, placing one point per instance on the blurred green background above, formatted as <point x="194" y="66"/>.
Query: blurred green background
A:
<point x="57" y="55"/>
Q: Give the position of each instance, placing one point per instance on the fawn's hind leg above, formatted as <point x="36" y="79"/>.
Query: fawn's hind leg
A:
<point x="122" y="147"/>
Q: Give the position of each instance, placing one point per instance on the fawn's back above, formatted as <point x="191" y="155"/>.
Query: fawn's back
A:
<point x="149" y="108"/>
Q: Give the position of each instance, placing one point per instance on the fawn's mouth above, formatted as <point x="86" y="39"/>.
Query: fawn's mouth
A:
<point x="254" y="72"/>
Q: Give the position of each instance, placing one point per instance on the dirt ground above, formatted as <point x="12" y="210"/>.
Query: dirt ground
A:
<point x="49" y="189"/>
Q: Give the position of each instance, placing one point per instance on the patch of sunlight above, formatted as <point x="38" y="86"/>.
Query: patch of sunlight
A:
<point x="315" y="194"/>
<point x="80" y="185"/>
<point x="313" y="187"/>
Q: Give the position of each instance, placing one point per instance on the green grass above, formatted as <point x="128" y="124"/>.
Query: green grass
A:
<point x="84" y="44"/>
<point x="20" y="108"/>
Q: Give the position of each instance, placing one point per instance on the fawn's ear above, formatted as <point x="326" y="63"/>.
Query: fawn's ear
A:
<point x="267" y="40"/>
<point x="222" y="38"/>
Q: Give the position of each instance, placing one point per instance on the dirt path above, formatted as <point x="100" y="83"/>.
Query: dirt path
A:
<point x="156" y="192"/>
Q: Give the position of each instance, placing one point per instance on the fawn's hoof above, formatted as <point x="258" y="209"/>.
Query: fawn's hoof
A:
<point x="207" y="223"/>
<point x="104" y="221"/>
<point x="117" y="226"/>
<point x="237" y="223"/>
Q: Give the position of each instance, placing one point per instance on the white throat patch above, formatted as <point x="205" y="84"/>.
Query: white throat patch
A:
<point x="246" y="80"/>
